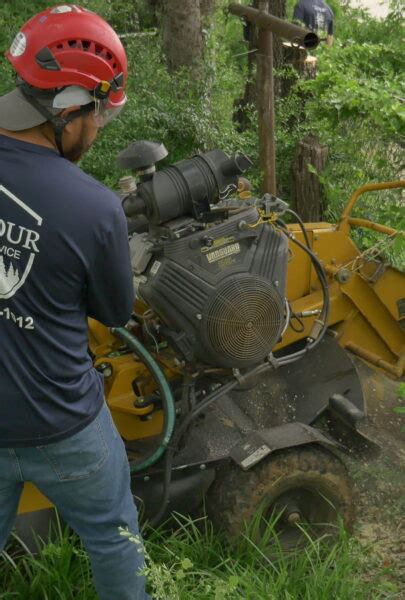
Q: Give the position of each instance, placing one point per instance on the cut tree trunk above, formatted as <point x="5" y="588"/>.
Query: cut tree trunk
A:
<point x="207" y="7"/>
<point x="182" y="35"/>
<point x="304" y="64"/>
<point x="307" y="192"/>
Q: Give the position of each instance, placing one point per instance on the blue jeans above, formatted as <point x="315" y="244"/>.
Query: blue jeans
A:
<point x="87" y="478"/>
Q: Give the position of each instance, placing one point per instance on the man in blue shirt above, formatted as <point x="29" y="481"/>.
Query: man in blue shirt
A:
<point x="63" y="257"/>
<point x="317" y="16"/>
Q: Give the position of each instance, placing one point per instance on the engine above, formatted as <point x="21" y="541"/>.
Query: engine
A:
<point x="210" y="267"/>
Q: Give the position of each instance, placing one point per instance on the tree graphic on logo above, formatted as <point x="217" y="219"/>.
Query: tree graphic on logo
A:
<point x="13" y="275"/>
<point x="8" y="277"/>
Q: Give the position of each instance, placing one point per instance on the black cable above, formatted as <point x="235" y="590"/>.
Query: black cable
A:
<point x="293" y="315"/>
<point x="323" y="317"/>
<point x="317" y="265"/>
<point x="301" y="224"/>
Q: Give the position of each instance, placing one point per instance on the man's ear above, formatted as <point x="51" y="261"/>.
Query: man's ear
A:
<point x="65" y="113"/>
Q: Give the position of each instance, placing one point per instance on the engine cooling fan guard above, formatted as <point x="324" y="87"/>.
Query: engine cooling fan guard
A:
<point x="243" y="321"/>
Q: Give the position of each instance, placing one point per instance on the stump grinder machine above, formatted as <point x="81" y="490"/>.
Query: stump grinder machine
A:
<point x="244" y="371"/>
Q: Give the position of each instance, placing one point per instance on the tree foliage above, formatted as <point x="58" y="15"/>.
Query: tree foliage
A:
<point x="354" y="104"/>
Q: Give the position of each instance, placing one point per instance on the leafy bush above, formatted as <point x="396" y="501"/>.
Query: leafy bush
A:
<point x="354" y="104"/>
<point x="186" y="116"/>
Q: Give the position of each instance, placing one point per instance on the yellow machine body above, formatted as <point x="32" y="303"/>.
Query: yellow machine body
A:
<point x="367" y="314"/>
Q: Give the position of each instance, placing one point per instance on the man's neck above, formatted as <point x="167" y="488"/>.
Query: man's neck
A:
<point x="36" y="135"/>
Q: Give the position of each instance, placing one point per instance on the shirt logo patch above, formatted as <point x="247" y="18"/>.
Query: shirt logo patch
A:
<point x="18" y="244"/>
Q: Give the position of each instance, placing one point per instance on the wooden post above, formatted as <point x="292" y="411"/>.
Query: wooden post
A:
<point x="269" y="24"/>
<point x="265" y="95"/>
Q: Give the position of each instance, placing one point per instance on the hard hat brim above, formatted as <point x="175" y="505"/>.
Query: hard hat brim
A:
<point x="17" y="114"/>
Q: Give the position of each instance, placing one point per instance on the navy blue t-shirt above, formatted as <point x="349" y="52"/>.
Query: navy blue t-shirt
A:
<point x="64" y="256"/>
<point x="315" y="14"/>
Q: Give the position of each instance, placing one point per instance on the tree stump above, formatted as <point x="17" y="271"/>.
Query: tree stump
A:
<point x="307" y="192"/>
<point x="303" y="64"/>
<point x="207" y="7"/>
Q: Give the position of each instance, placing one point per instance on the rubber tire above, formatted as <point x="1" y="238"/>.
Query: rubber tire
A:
<point x="235" y="496"/>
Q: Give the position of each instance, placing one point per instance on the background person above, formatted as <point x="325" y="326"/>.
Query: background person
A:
<point x="317" y="16"/>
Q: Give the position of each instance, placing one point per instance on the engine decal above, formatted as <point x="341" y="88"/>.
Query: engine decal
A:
<point x="255" y="456"/>
<point x="224" y="252"/>
<point x="155" y="267"/>
<point x="217" y="243"/>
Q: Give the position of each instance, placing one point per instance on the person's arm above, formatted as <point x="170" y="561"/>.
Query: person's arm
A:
<point x="110" y="294"/>
<point x="329" y="38"/>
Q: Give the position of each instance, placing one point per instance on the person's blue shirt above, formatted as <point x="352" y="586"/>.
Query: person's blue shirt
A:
<point x="316" y="15"/>
<point x="64" y="256"/>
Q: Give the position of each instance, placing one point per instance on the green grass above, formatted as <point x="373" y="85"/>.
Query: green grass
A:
<point x="193" y="561"/>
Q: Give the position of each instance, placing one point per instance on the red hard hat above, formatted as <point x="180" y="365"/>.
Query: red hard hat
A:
<point x="67" y="45"/>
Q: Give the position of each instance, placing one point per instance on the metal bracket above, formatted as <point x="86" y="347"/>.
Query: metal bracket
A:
<point x="355" y="422"/>
<point x="256" y="446"/>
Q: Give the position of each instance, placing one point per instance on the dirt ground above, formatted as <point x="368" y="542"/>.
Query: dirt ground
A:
<point x="380" y="481"/>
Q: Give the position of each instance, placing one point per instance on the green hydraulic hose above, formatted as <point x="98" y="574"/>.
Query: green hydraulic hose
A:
<point x="168" y="401"/>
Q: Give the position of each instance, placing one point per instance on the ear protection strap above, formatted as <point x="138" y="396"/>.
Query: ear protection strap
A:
<point x="58" y="123"/>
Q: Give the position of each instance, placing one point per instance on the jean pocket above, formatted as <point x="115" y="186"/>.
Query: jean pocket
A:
<point x="79" y="456"/>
